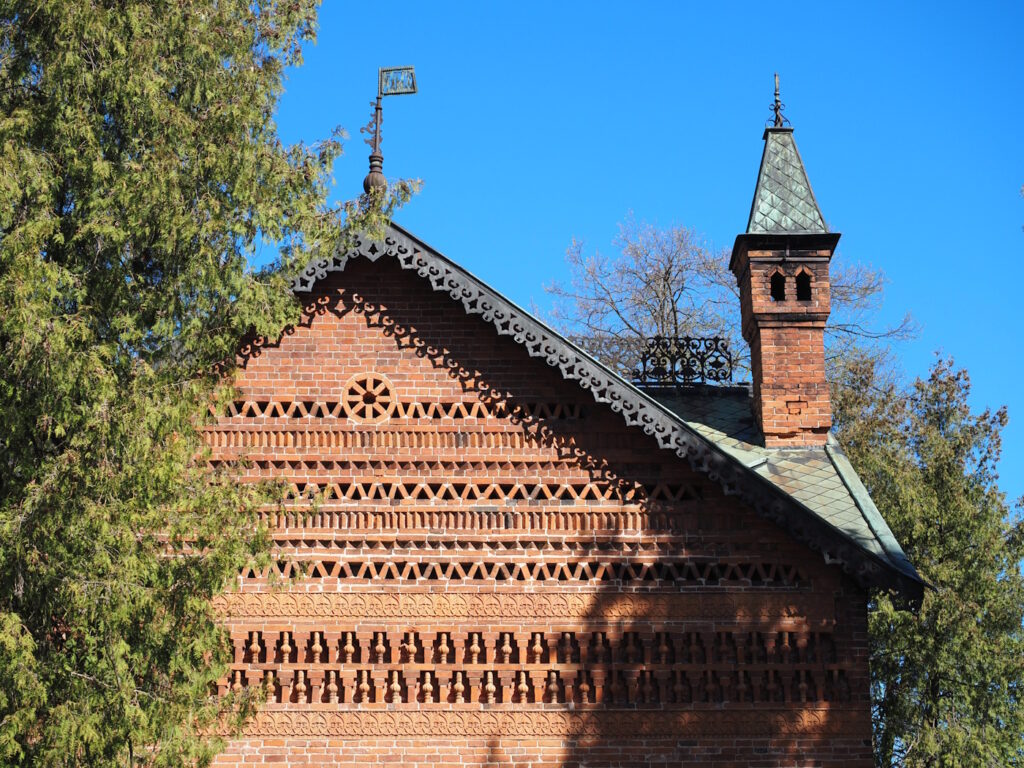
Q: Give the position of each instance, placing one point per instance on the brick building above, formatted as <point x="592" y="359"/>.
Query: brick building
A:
<point x="520" y="558"/>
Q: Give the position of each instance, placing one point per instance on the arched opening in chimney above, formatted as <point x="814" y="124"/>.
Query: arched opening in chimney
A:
<point x="803" y="285"/>
<point x="778" y="287"/>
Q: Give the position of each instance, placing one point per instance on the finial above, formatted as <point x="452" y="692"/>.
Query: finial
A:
<point x="375" y="178"/>
<point x="778" y="106"/>
<point x="391" y="81"/>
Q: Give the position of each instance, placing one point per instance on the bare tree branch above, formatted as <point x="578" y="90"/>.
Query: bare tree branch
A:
<point x="669" y="282"/>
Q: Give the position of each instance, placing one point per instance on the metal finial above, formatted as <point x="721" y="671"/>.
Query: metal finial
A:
<point x="778" y="106"/>
<point x="391" y="81"/>
<point x="375" y="178"/>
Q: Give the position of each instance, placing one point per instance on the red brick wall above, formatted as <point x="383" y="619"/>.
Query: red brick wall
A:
<point x="499" y="571"/>
<point x="787" y="345"/>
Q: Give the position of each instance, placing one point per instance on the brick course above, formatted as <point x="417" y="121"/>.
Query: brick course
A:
<point x="499" y="571"/>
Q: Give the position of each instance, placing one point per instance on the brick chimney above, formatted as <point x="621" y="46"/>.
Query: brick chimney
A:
<point x="781" y="265"/>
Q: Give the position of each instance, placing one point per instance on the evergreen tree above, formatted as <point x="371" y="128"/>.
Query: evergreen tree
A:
<point x="140" y="169"/>
<point x="947" y="680"/>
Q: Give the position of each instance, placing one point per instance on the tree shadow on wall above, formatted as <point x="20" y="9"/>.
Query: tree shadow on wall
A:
<point x="664" y="654"/>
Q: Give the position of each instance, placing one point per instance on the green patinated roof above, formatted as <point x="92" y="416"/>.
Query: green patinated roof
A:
<point x="821" y="479"/>
<point x="783" y="200"/>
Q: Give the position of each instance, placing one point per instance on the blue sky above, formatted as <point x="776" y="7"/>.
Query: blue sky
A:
<point x="537" y="123"/>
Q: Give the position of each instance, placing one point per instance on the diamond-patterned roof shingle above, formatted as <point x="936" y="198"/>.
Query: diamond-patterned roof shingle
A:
<point x="821" y="479"/>
<point x="783" y="200"/>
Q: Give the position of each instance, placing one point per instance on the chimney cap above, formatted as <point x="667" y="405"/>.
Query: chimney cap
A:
<point x="784" y="202"/>
<point x="783" y="199"/>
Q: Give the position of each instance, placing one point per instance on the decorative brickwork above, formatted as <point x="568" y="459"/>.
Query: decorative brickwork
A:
<point x="636" y="409"/>
<point x="477" y="564"/>
<point x="368" y="397"/>
<point x="785" y="301"/>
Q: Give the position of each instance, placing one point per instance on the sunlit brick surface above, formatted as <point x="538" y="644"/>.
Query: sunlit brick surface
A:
<point x="499" y="571"/>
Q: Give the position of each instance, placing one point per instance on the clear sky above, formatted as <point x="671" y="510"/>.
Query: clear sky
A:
<point x="537" y="123"/>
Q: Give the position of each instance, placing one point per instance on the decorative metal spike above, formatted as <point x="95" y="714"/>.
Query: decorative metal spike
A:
<point x="777" y="107"/>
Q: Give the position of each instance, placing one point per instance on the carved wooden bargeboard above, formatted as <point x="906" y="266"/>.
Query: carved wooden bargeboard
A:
<point x="500" y="570"/>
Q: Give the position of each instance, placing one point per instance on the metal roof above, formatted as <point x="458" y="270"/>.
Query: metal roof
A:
<point x="822" y="479"/>
<point x="784" y="202"/>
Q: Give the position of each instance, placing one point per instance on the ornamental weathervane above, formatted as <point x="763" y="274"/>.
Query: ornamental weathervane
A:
<point x="391" y="81"/>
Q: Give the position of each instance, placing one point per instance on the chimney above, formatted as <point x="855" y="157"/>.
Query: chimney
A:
<point x="781" y="265"/>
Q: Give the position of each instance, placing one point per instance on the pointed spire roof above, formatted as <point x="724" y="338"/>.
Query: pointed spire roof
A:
<point x="784" y="202"/>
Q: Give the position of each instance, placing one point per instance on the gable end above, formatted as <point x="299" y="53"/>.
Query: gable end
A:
<point x="635" y="407"/>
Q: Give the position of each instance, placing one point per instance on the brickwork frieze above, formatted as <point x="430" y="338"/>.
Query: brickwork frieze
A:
<point x="608" y="724"/>
<point x="813" y="610"/>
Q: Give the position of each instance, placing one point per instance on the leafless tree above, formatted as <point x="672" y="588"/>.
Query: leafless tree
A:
<point x="669" y="282"/>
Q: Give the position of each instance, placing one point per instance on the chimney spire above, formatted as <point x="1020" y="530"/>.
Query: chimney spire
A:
<point x="781" y="265"/>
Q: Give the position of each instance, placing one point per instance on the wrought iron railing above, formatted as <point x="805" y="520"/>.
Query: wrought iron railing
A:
<point x="684" y="360"/>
